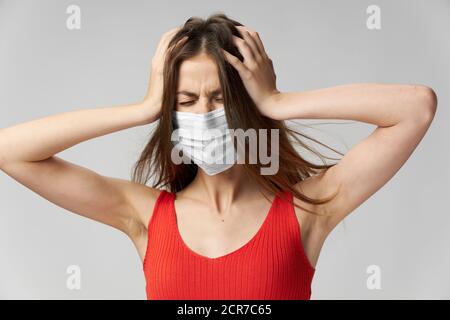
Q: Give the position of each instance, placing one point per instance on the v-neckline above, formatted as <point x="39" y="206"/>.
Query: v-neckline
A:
<point x="229" y="254"/>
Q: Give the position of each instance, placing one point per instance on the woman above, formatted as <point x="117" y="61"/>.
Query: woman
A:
<point x="207" y="232"/>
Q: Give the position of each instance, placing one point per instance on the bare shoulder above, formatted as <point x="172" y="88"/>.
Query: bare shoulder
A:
<point x="315" y="228"/>
<point x="315" y="187"/>
<point x="142" y="199"/>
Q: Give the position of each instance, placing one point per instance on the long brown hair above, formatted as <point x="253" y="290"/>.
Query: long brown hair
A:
<point x="209" y="36"/>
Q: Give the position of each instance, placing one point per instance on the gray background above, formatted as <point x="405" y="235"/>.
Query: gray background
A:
<point x="46" y="68"/>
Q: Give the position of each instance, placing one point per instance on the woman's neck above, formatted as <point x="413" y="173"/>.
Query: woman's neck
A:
<point x="223" y="189"/>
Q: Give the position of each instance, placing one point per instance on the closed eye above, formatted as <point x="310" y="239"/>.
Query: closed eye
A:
<point x="187" y="103"/>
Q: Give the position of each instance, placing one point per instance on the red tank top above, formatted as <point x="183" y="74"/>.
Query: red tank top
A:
<point x="272" y="265"/>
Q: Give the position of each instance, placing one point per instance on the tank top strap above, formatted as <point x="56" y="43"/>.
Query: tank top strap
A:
<point x="160" y="218"/>
<point x="280" y="206"/>
<point x="286" y="213"/>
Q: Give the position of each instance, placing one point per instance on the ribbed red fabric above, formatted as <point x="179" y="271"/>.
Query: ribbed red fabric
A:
<point x="272" y="265"/>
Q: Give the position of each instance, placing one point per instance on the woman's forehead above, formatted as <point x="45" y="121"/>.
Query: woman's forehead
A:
<point x="198" y="74"/>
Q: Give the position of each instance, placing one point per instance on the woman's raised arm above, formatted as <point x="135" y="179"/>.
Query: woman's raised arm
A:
<point x="402" y="114"/>
<point x="27" y="154"/>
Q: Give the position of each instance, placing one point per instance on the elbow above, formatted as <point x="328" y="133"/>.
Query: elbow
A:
<point x="426" y="102"/>
<point x="2" y="153"/>
<point x="430" y="100"/>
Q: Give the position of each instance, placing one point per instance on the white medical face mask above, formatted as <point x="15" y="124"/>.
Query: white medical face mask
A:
<point x="205" y="139"/>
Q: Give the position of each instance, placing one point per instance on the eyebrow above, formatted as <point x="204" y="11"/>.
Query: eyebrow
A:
<point x="192" y="94"/>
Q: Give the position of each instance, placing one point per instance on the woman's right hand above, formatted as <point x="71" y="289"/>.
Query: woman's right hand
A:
<point x="153" y="101"/>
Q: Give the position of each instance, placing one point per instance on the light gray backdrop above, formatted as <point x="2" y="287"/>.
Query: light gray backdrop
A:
<point x="46" y="68"/>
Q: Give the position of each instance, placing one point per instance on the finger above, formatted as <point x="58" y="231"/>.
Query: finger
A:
<point x="168" y="36"/>
<point x="260" y="45"/>
<point x="256" y="38"/>
<point x="249" y="38"/>
<point x="165" y="38"/>
<point x="245" y="50"/>
<point x="236" y="63"/>
<point x="171" y="32"/>
<point x="179" y="43"/>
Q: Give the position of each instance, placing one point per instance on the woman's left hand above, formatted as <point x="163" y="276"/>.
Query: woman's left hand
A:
<point x="256" y="71"/>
